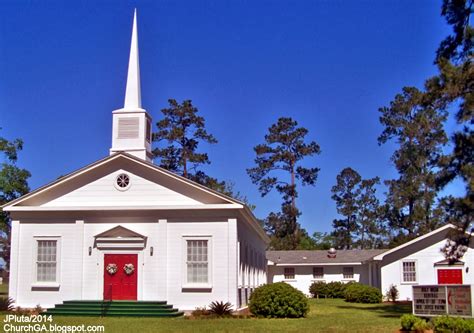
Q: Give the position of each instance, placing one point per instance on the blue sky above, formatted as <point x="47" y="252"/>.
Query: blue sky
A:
<point x="328" y="64"/>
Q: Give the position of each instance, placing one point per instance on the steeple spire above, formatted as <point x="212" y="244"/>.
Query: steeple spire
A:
<point x="132" y="125"/>
<point x="133" y="99"/>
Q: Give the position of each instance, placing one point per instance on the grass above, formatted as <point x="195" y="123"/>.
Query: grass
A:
<point x="4" y="289"/>
<point x="326" y="315"/>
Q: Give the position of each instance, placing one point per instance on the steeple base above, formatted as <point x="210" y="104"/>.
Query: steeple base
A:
<point x="140" y="153"/>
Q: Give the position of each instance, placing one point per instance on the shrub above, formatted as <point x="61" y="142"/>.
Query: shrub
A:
<point x="360" y="293"/>
<point x="328" y="290"/>
<point x="337" y="289"/>
<point x="6" y="304"/>
<point x="220" y="308"/>
<point x="421" y="325"/>
<point x="408" y="322"/>
<point x="199" y="312"/>
<point x="278" y="300"/>
<point x="447" y="324"/>
<point x="318" y="289"/>
<point x="38" y="310"/>
<point x="392" y="293"/>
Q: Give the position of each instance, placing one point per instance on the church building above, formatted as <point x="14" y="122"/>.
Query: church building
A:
<point x="123" y="228"/>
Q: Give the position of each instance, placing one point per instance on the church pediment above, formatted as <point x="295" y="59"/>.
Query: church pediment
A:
<point x="121" y="180"/>
<point x="119" y="237"/>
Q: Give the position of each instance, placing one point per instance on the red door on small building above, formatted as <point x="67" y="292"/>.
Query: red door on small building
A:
<point x="120" y="285"/>
<point x="449" y="276"/>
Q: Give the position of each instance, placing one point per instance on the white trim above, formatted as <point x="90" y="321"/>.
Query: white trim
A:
<point x="45" y="285"/>
<point x="381" y="256"/>
<point x="102" y="246"/>
<point x="402" y="280"/>
<point x="120" y="208"/>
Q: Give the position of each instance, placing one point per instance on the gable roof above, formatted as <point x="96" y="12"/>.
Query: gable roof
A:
<point x="415" y="240"/>
<point x="320" y="257"/>
<point x="219" y="200"/>
<point x="60" y="181"/>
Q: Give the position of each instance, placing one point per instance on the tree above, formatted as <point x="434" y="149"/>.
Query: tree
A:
<point x="451" y="90"/>
<point x="345" y="194"/>
<point x="183" y="130"/>
<point x="454" y="88"/>
<point x="416" y="125"/>
<point x="357" y="202"/>
<point x="13" y="184"/>
<point x="282" y="153"/>
<point x="371" y="230"/>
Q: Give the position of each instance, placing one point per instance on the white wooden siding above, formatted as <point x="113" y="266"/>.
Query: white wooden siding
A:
<point x="304" y="275"/>
<point x="426" y="271"/>
<point x="102" y="192"/>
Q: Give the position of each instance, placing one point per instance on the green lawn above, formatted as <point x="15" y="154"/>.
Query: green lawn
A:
<point x="331" y="315"/>
<point x="3" y="289"/>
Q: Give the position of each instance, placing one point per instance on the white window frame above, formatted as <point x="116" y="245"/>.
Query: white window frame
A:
<point x="318" y="278"/>
<point x="294" y="274"/>
<point x="190" y="285"/>
<point x="348" y="278"/>
<point x="402" y="275"/>
<point x="52" y="284"/>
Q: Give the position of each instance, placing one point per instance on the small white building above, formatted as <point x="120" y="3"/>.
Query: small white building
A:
<point x="123" y="228"/>
<point x="301" y="268"/>
<point x="419" y="261"/>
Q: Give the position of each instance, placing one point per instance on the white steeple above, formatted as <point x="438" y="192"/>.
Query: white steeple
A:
<point x="131" y="128"/>
<point x="133" y="98"/>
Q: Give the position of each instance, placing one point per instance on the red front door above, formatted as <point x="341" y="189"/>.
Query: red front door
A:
<point x="449" y="276"/>
<point x="120" y="285"/>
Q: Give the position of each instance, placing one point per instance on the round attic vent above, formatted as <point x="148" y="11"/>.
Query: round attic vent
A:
<point x="122" y="182"/>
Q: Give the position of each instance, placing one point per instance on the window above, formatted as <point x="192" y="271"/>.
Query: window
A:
<point x="197" y="261"/>
<point x="46" y="261"/>
<point x="409" y="271"/>
<point x="348" y="273"/>
<point x="289" y="273"/>
<point x="318" y="272"/>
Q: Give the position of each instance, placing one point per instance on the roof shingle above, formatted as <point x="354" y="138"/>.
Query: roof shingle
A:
<point x="321" y="256"/>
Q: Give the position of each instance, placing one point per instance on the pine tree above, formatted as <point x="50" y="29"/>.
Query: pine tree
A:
<point x="182" y="129"/>
<point x="422" y="167"/>
<point x="345" y="194"/>
<point x="283" y="151"/>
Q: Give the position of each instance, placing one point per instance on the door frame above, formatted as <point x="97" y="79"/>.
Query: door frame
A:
<point x="139" y="270"/>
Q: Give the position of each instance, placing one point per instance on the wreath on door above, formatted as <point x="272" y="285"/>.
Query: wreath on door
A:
<point x="111" y="269"/>
<point x="129" y="269"/>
